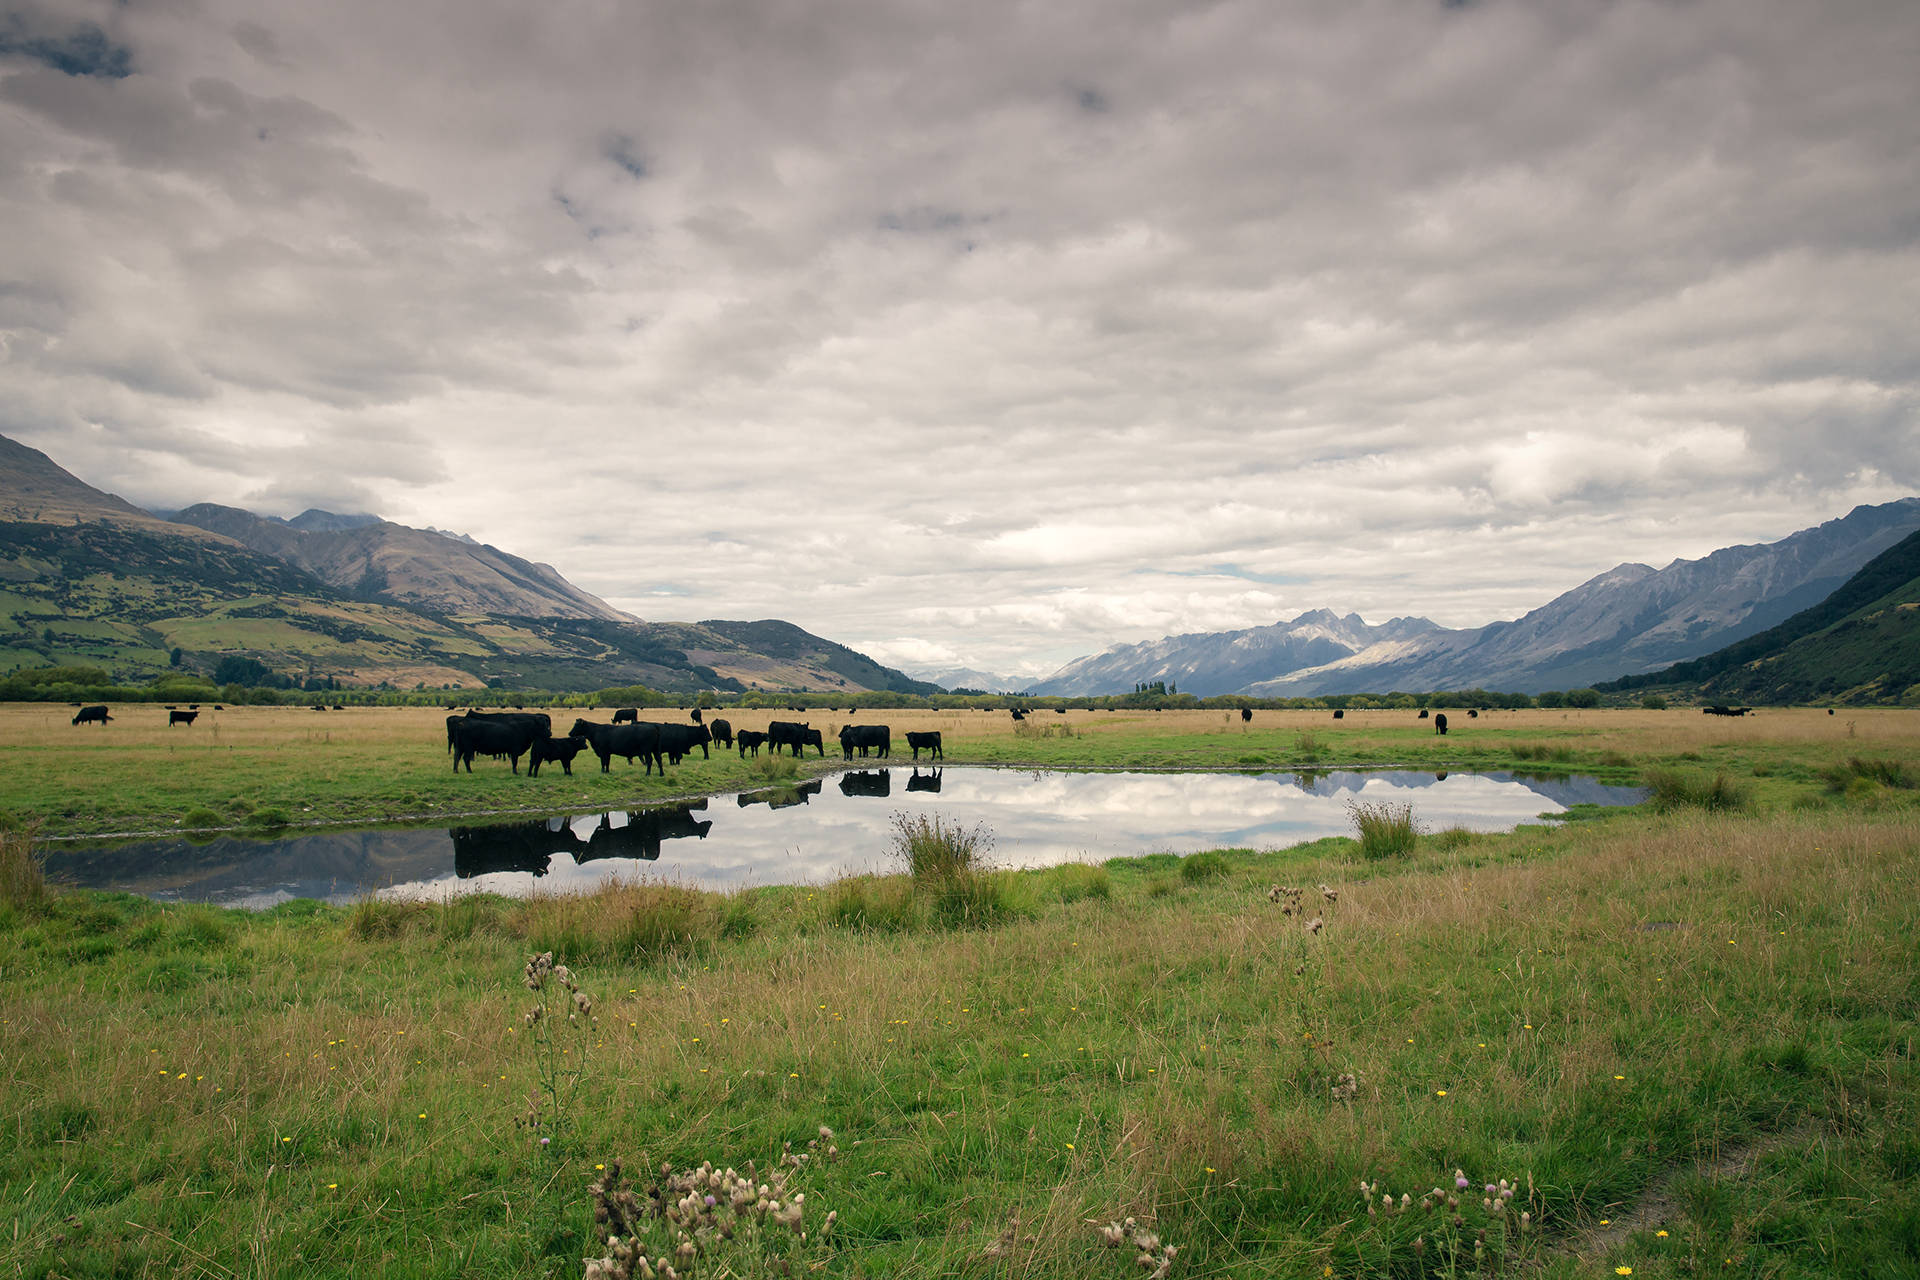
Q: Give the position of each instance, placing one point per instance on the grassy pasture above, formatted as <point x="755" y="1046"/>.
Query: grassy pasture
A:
<point x="370" y="764"/>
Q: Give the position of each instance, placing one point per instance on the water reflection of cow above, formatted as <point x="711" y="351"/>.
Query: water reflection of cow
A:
<point x="644" y="832"/>
<point x="781" y="797"/>
<point x="513" y="846"/>
<point x="924" y="781"/>
<point x="867" y="782"/>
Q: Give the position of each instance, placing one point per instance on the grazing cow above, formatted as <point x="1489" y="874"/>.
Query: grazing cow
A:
<point x="1440" y="724"/>
<point x="1725" y="711"/>
<point x="626" y="715"/>
<point x="490" y="736"/>
<point x="1472" y="714"/>
<point x="721" y="732"/>
<point x="1246" y="714"/>
<point x="181" y="717"/>
<point x="623" y="740"/>
<point x="867" y="782"/>
<point x="794" y="734"/>
<point x="1018" y="714"/>
<point x="546" y="750"/>
<point x="924" y="781"/>
<point x="749" y="741"/>
<point x="1340" y="714"/>
<point x="678" y="740"/>
<point x="929" y="742"/>
<point x="696" y="715"/>
<point x="1423" y="713"/>
<point x="92" y="715"/>
<point x="865" y="737"/>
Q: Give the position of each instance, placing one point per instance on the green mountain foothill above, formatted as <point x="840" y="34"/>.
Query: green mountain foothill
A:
<point x="1859" y="646"/>
<point x="89" y="580"/>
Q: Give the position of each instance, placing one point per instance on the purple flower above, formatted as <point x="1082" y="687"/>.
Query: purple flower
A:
<point x="1460" y="1183"/>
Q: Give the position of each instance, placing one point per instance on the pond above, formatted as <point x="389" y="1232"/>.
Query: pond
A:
<point x="814" y="831"/>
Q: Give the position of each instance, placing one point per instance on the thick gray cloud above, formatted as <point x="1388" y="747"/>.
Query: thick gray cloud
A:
<point x="985" y="334"/>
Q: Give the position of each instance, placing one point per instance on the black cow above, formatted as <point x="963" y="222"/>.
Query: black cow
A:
<point x="924" y="781"/>
<point x="749" y="740"/>
<point x="92" y="715"/>
<point x="929" y="742"/>
<point x="624" y="740"/>
<point x="1018" y="714"/>
<point x="1340" y="715"/>
<point x="538" y="719"/>
<point x="491" y="736"/>
<point x="792" y="733"/>
<point x="546" y="750"/>
<point x="627" y="715"/>
<point x="1725" y="711"/>
<point x="1246" y="714"/>
<point x="867" y="782"/>
<point x="1423" y="713"/>
<point x="866" y="738"/>
<point x="721" y="732"/>
<point x="1472" y="714"/>
<point x="1440" y="724"/>
<point x="181" y="717"/>
<point x="696" y="715"/>
<point x="678" y="740"/>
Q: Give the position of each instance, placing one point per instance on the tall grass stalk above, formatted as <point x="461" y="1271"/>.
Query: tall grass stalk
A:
<point x="23" y="882"/>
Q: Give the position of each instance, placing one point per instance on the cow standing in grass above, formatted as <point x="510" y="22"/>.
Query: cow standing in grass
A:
<point x="92" y="715"/>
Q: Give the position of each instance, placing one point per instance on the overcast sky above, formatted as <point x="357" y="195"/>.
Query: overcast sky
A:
<point x="987" y="333"/>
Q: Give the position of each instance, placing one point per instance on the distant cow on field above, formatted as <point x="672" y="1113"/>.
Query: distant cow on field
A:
<point x="1340" y="714"/>
<point x="1423" y="713"/>
<point x="1440" y="724"/>
<point x="1725" y="711"/>
<point x="181" y="717"/>
<point x="749" y="741"/>
<point x="1018" y="714"/>
<point x="721" y="732"/>
<point x="548" y="750"/>
<point x="92" y="715"/>
<point x="1472" y="714"/>
<point x="1246" y="714"/>
<point x="626" y="715"/>
<point x="928" y="742"/>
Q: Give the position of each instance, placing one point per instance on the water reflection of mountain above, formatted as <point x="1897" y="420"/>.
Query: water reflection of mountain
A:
<point x="338" y="866"/>
<point x="643" y="833"/>
<point x="867" y="782"/>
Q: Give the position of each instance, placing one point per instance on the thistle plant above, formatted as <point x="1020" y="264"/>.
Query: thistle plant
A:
<point x="1465" y="1228"/>
<point x="559" y="1065"/>
<point x="1153" y="1257"/>
<point x="744" y="1223"/>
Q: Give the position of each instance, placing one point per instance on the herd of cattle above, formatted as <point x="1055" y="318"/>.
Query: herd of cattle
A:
<point x="512" y="734"/>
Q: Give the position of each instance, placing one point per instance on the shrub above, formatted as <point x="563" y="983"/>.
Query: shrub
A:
<point x="1386" y="830"/>
<point x="1201" y="867"/>
<point x="1307" y="745"/>
<point x="1654" y="702"/>
<point x="200" y="817"/>
<point x="1673" y="789"/>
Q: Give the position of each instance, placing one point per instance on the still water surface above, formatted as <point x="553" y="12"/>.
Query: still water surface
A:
<point x="815" y="831"/>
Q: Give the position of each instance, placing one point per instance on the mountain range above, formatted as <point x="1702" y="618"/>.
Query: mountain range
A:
<point x="87" y="577"/>
<point x="1629" y="620"/>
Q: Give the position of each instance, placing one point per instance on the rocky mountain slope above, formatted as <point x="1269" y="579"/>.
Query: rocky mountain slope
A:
<point x="372" y="559"/>
<point x="1631" y="619"/>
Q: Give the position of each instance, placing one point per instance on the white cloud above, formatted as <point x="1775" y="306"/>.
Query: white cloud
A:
<point x="991" y="331"/>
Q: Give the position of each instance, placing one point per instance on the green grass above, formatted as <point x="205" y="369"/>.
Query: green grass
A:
<point x="1603" y="1014"/>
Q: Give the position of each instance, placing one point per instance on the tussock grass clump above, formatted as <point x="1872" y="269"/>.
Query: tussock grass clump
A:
<point x="373" y="918"/>
<point x="1200" y="867"/>
<point x="23" y="882"/>
<point x="1673" y="789"/>
<point x="935" y="849"/>
<point x="1541" y="751"/>
<point x="873" y="903"/>
<point x="1453" y="838"/>
<point x="1307" y="745"/>
<point x="1887" y="773"/>
<point x="1073" y="881"/>
<point x="773" y="767"/>
<point x="1386" y="830"/>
